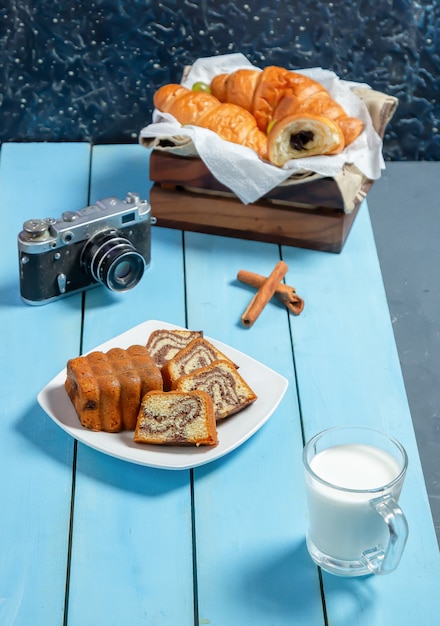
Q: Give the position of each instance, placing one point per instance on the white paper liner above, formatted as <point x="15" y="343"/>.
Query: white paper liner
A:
<point x="239" y="168"/>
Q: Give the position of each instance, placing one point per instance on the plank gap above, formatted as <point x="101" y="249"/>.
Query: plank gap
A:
<point x="324" y="605"/>
<point x="194" y="550"/>
<point x="70" y="536"/>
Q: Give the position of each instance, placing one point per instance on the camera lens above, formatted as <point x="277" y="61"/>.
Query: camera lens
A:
<point x="112" y="260"/>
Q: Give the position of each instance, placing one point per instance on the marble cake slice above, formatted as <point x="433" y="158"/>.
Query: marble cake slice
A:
<point x="229" y="391"/>
<point x="176" y="418"/>
<point x="163" y="344"/>
<point x="198" y="353"/>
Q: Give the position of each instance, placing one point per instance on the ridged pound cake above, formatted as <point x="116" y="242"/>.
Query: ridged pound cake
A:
<point x="106" y="389"/>
<point x="198" y="353"/>
<point x="176" y="418"/>
<point x="164" y="344"/>
<point x="229" y="392"/>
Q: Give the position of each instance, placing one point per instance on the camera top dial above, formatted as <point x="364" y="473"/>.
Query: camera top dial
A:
<point x="37" y="229"/>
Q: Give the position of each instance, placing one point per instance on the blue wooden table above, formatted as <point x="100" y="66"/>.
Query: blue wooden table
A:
<point x="87" y="539"/>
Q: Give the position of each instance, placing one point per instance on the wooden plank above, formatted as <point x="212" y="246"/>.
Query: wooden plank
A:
<point x="324" y="229"/>
<point x="36" y="180"/>
<point x="252" y="565"/>
<point x="132" y="538"/>
<point x="117" y="170"/>
<point x="310" y="214"/>
<point x="166" y="168"/>
<point x="349" y="373"/>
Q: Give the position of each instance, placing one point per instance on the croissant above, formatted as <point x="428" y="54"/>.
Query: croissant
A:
<point x="291" y="137"/>
<point x="230" y="121"/>
<point x="275" y="92"/>
<point x="303" y="135"/>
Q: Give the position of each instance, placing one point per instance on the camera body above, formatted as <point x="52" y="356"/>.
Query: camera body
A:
<point x="106" y="243"/>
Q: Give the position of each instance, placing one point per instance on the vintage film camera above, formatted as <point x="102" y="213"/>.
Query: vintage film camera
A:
<point x="106" y="243"/>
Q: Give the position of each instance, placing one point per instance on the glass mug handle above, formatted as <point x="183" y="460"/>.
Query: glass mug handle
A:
<point x="385" y="560"/>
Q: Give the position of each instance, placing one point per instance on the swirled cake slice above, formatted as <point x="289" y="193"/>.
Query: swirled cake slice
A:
<point x="106" y="389"/>
<point x="176" y="418"/>
<point x="163" y="343"/>
<point x="198" y="353"/>
<point x="228" y="390"/>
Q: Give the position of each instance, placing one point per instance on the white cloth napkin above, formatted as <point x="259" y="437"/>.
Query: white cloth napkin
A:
<point x="239" y="168"/>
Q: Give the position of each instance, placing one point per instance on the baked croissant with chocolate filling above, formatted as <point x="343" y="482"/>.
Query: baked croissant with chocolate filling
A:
<point x="230" y="121"/>
<point x="292" y="136"/>
<point x="303" y="135"/>
<point x="274" y="93"/>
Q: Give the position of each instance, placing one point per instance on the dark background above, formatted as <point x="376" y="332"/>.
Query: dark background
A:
<point x="87" y="71"/>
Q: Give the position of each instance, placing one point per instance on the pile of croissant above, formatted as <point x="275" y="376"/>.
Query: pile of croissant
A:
<point x="279" y="113"/>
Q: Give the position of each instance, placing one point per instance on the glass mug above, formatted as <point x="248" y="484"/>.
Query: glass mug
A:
<point x="354" y="477"/>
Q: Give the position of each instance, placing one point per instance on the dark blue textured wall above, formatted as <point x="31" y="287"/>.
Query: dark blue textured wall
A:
<point x="87" y="70"/>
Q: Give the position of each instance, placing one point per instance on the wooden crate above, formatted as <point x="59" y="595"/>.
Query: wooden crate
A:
<point x="311" y="213"/>
<point x="186" y="195"/>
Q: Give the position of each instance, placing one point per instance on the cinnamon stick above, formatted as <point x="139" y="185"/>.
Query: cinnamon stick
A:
<point x="285" y="293"/>
<point x="264" y="294"/>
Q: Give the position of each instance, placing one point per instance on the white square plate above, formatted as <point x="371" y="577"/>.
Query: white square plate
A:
<point x="269" y="386"/>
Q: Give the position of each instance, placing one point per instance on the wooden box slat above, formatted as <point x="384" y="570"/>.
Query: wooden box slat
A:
<point x="166" y="168"/>
<point x="187" y="196"/>
<point x="203" y="213"/>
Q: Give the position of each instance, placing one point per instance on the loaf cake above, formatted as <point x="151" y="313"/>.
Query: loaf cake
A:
<point x="229" y="392"/>
<point x="198" y="353"/>
<point x="176" y="418"/>
<point x="106" y="389"/>
<point x="163" y="344"/>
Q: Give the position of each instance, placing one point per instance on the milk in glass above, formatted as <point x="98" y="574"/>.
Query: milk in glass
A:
<point x="342" y="521"/>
